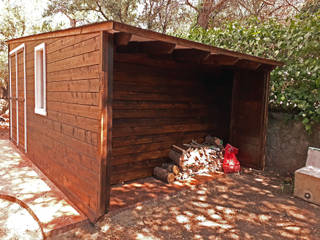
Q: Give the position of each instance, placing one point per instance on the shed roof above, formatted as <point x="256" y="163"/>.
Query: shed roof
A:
<point x="154" y="41"/>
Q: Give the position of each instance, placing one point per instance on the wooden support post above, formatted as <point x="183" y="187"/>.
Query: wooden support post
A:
<point x="264" y="117"/>
<point x="106" y="92"/>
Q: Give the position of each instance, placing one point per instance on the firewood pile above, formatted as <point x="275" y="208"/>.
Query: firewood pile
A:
<point x="192" y="159"/>
<point x="4" y="120"/>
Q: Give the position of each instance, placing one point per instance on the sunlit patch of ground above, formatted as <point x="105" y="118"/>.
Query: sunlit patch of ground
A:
<point x="4" y="131"/>
<point x="17" y="223"/>
<point x="21" y="180"/>
<point x="247" y="206"/>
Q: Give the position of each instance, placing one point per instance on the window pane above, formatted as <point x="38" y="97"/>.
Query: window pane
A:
<point x="41" y="85"/>
<point x="40" y="79"/>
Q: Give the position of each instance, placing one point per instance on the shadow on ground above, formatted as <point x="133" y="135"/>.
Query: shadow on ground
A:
<point x="21" y="182"/>
<point x="246" y="206"/>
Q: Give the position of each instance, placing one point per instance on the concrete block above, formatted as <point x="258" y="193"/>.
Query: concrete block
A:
<point x="307" y="179"/>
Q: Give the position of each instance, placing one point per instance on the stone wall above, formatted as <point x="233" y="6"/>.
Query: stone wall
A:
<point x="288" y="142"/>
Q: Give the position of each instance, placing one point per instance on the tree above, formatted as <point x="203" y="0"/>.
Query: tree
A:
<point x="163" y="15"/>
<point x="69" y="8"/>
<point x="12" y="24"/>
<point x="295" y="86"/>
<point x="84" y="11"/>
<point x="266" y="9"/>
<point x="263" y="10"/>
<point x="206" y="10"/>
<point x="158" y="15"/>
<point x="123" y="11"/>
<point x="311" y="6"/>
<point x="213" y="13"/>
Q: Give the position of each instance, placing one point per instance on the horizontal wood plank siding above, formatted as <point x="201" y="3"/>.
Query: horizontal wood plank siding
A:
<point x="248" y="116"/>
<point x="155" y="107"/>
<point x="64" y="144"/>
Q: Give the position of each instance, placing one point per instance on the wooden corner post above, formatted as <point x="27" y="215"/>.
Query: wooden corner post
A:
<point x="264" y="117"/>
<point x="106" y="96"/>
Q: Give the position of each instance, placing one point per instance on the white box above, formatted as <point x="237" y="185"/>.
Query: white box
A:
<point x="307" y="179"/>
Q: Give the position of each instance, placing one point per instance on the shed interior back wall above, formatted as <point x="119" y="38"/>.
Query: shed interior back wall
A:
<point x="155" y="107"/>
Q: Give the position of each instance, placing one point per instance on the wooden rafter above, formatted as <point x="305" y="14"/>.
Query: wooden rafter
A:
<point x="190" y="55"/>
<point x="148" y="47"/>
<point x="247" y="64"/>
<point x="122" y="38"/>
<point x="221" y="60"/>
<point x="131" y="47"/>
<point x="157" y="47"/>
<point x="265" y="68"/>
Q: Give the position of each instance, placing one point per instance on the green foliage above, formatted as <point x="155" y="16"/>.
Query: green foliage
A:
<point x="295" y="87"/>
<point x="85" y="11"/>
<point x="12" y="24"/>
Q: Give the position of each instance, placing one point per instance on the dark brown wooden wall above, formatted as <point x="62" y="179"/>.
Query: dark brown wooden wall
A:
<point x="249" y="116"/>
<point x="155" y="107"/>
<point x="64" y="144"/>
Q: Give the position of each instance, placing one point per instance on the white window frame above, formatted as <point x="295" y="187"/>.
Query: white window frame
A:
<point x="37" y="108"/>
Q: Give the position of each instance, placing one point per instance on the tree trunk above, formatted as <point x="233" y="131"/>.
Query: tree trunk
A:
<point x="204" y="13"/>
<point x="203" y="20"/>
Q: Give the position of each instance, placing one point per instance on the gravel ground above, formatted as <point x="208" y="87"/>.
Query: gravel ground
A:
<point x="251" y="205"/>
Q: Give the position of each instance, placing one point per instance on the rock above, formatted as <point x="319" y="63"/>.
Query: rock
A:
<point x="287" y="143"/>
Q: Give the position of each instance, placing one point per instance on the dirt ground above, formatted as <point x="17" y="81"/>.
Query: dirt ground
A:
<point x="17" y="223"/>
<point x="251" y="205"/>
<point x="30" y="205"/>
<point x="4" y="133"/>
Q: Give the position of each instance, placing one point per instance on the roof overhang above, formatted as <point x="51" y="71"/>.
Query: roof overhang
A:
<point x="157" y="43"/>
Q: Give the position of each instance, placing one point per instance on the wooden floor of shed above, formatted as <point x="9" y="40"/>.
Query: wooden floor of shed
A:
<point x="135" y="193"/>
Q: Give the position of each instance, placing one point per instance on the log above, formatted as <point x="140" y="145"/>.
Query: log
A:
<point x="178" y="149"/>
<point x="171" y="168"/>
<point x="163" y="175"/>
<point x="177" y="158"/>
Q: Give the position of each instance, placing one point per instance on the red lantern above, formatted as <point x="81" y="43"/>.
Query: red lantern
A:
<point x="230" y="162"/>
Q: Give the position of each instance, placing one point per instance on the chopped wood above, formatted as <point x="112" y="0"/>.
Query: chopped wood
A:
<point x="171" y="168"/>
<point x="178" y="149"/>
<point x="177" y="158"/>
<point x="199" y="158"/>
<point x="192" y="159"/>
<point x="4" y="120"/>
<point x="163" y="175"/>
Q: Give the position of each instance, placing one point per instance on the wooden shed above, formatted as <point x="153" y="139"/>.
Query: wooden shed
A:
<point x="100" y="104"/>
